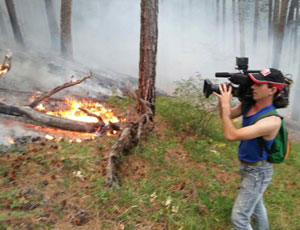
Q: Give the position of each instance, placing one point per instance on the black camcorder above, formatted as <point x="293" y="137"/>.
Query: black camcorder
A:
<point x="241" y="83"/>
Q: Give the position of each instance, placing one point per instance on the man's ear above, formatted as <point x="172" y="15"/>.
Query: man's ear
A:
<point x="274" y="90"/>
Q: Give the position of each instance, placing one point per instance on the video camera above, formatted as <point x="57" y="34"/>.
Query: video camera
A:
<point x="243" y="89"/>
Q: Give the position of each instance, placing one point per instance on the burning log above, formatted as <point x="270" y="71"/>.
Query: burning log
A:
<point x="130" y="136"/>
<point x="6" y="65"/>
<point x="45" y="95"/>
<point x="31" y="113"/>
<point x="48" y="120"/>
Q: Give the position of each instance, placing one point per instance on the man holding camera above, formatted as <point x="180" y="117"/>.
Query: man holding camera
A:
<point x="256" y="171"/>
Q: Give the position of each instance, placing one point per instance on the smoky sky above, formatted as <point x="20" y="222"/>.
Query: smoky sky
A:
<point x="106" y="35"/>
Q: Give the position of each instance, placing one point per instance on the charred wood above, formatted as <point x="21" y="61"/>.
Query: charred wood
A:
<point x="93" y="115"/>
<point x="48" y="120"/>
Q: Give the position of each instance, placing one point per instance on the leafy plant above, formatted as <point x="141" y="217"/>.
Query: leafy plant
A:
<point x="189" y="111"/>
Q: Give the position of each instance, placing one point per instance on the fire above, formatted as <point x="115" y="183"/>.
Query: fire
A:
<point x="9" y="139"/>
<point x="74" y="111"/>
<point x="4" y="69"/>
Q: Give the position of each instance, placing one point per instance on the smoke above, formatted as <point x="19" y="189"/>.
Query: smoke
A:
<point x="190" y="41"/>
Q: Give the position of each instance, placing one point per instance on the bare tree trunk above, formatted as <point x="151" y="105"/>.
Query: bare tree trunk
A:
<point x="296" y="29"/>
<point x="3" y="29"/>
<point x="65" y="28"/>
<point x="295" y="105"/>
<point x="242" y="30"/>
<point x="148" y="50"/>
<point x="14" y="22"/>
<point x="53" y="26"/>
<point x="255" y="25"/>
<point x="224" y="21"/>
<point x="279" y="33"/>
<point x="233" y="24"/>
<point x="276" y="12"/>
<point x="292" y="8"/>
<point x="270" y="24"/>
<point x="217" y="14"/>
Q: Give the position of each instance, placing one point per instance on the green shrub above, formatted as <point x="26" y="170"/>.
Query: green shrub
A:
<point x="189" y="111"/>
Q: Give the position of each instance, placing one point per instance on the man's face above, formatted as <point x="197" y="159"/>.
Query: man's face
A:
<point x="260" y="91"/>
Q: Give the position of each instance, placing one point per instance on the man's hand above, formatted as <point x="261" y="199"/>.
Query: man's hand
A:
<point x="225" y="93"/>
<point x="224" y="99"/>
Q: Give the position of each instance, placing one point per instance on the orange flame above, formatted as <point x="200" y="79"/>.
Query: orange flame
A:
<point x="74" y="113"/>
<point x="4" y="69"/>
<point x="9" y="139"/>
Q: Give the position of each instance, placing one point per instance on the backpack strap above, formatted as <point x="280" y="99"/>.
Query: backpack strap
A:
<point x="261" y="142"/>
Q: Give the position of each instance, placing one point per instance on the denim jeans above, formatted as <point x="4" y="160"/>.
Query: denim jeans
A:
<point x="249" y="202"/>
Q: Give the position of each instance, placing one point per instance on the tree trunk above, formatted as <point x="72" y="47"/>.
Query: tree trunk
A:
<point x="292" y="8"/>
<point x="296" y="29"/>
<point x="270" y="24"/>
<point x="224" y="22"/>
<point x="276" y="12"/>
<point x="148" y="50"/>
<point x="53" y="26"/>
<point x="279" y="33"/>
<point x="242" y="30"/>
<point x="65" y="28"/>
<point x="14" y="22"/>
<point x="3" y="29"/>
<point x="234" y="24"/>
<point x="217" y="14"/>
<point x="295" y="105"/>
<point x="255" y="25"/>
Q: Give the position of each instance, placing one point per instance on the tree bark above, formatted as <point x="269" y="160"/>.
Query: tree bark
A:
<point x="270" y="23"/>
<point x="224" y="21"/>
<point x="241" y="28"/>
<point x="14" y="22"/>
<point x="65" y="28"/>
<point x="234" y="24"/>
<point x="53" y="26"/>
<point x="279" y="33"/>
<point x="276" y="12"/>
<point x="296" y="29"/>
<point x="295" y="106"/>
<point x="148" y="50"/>
<point x="130" y="136"/>
<point x="291" y="14"/>
<point x="3" y="29"/>
<point x="255" y="24"/>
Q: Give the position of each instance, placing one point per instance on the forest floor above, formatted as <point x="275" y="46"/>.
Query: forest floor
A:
<point x="175" y="180"/>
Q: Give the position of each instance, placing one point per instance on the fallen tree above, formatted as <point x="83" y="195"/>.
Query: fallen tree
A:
<point x="130" y="136"/>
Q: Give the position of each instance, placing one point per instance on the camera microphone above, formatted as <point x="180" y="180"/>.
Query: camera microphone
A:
<point x="222" y="74"/>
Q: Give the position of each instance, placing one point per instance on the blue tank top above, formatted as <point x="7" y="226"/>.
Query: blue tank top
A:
<point x="249" y="150"/>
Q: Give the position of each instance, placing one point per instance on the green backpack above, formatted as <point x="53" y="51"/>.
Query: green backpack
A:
<point x="280" y="148"/>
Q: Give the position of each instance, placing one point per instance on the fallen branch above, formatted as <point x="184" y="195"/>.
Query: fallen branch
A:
<point x="48" y="120"/>
<point x="29" y="113"/>
<point x="130" y="136"/>
<point x="93" y="115"/>
<point x="57" y="89"/>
